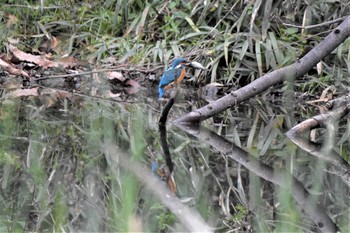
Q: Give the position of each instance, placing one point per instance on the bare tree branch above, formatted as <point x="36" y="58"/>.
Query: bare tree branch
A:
<point x="315" y="25"/>
<point x="279" y="177"/>
<point x="295" y="70"/>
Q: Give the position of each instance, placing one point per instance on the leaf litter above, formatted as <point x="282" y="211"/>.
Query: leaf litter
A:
<point x="28" y="71"/>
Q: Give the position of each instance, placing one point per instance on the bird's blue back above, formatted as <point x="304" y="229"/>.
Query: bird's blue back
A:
<point x="170" y="75"/>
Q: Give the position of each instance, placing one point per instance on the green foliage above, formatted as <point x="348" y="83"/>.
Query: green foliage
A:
<point x="165" y="220"/>
<point x="241" y="213"/>
<point x="241" y="40"/>
<point x="60" y="211"/>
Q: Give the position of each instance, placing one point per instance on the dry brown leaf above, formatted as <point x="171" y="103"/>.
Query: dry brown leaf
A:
<point x="11" y="20"/>
<point x="12" y="40"/>
<point x="39" y="60"/>
<point x="118" y="78"/>
<point x="23" y="92"/>
<point x="134" y="86"/>
<point x="50" y="97"/>
<point x="11" y="84"/>
<point x="6" y="57"/>
<point x="12" y="69"/>
<point x="115" y="75"/>
<point x="49" y="100"/>
<point x="109" y="60"/>
<point x="66" y="62"/>
<point x="54" y="42"/>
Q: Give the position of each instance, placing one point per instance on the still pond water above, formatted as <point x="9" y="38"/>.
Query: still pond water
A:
<point x="71" y="168"/>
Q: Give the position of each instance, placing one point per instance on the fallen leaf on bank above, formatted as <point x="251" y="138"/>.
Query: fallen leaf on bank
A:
<point x="51" y="96"/>
<point x="109" y="60"/>
<point x="22" y="56"/>
<point x="134" y="86"/>
<point x="68" y="62"/>
<point x="22" y="92"/>
<point x="11" y="20"/>
<point x="54" y="42"/>
<point x="117" y="78"/>
<point x="42" y="61"/>
<point x="114" y="75"/>
<point x="10" y="83"/>
<point x="49" y="100"/>
<point x="12" y="69"/>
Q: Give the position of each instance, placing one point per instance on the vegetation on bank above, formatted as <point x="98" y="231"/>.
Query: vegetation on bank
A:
<point x="239" y="41"/>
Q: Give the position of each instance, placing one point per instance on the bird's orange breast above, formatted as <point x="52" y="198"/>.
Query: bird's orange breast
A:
<point x="178" y="80"/>
<point x="181" y="77"/>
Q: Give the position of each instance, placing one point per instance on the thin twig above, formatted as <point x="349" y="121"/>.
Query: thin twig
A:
<point x="93" y="97"/>
<point x="99" y="71"/>
<point x="315" y="25"/>
<point x="34" y="7"/>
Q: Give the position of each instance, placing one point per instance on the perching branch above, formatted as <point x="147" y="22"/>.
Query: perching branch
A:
<point x="297" y="69"/>
<point x="165" y="112"/>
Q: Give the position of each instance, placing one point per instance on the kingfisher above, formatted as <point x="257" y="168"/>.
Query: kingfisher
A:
<point x="175" y="73"/>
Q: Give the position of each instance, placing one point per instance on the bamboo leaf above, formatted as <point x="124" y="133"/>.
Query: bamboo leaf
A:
<point x="258" y="57"/>
<point x="156" y="51"/>
<point x="226" y="44"/>
<point x="132" y="26"/>
<point x="141" y="25"/>
<point x="266" y="20"/>
<point x="269" y="56"/>
<point x="175" y="49"/>
<point x="256" y="8"/>
<point x="190" y="22"/>
<point x="306" y="19"/>
<point x="243" y="50"/>
<point x="278" y="54"/>
<point x="191" y="35"/>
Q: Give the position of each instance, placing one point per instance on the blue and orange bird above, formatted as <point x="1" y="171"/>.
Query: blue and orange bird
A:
<point x="175" y="74"/>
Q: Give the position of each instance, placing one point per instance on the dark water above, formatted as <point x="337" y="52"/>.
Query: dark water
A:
<point x="83" y="165"/>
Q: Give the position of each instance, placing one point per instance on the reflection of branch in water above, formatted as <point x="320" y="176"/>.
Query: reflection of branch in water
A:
<point x="164" y="143"/>
<point x="188" y="217"/>
<point x="276" y="176"/>
<point x="341" y="168"/>
<point x="166" y="171"/>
